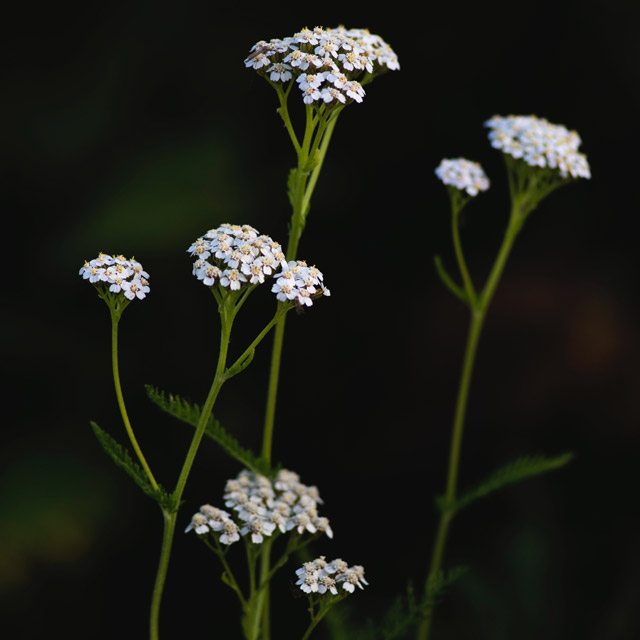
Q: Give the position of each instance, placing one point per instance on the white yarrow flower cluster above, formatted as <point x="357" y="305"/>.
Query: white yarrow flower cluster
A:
<point x="118" y="274"/>
<point x="327" y="64"/>
<point x="463" y="174"/>
<point x="299" y="283"/>
<point x="539" y="143"/>
<point x="259" y="508"/>
<point x="234" y="256"/>
<point x="320" y="576"/>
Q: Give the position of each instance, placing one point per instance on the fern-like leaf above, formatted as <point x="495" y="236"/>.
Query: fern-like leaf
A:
<point x="190" y="413"/>
<point x="516" y="471"/>
<point x="123" y="459"/>
<point x="407" y="610"/>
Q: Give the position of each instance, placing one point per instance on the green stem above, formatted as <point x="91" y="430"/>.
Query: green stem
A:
<point x="262" y="612"/>
<point x="272" y="390"/>
<point x="464" y="272"/>
<point x="303" y="190"/>
<point x="322" y="152"/>
<point x="123" y="410"/>
<point x="227" y="315"/>
<point x="317" y="617"/>
<point x="165" y="553"/>
<point x="233" y="583"/>
<point x="284" y="113"/>
<point x="478" y="308"/>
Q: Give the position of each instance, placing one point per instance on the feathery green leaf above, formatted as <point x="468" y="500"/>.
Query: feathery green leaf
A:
<point x="190" y="413"/>
<point x="516" y="471"/>
<point x="123" y="459"/>
<point x="407" y="610"/>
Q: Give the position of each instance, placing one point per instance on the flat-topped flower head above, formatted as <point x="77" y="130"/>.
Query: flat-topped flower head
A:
<point x="338" y="60"/>
<point x="258" y="508"/>
<point x="321" y="577"/>
<point x="117" y="275"/>
<point x="234" y="257"/>
<point x="539" y="144"/>
<point x="463" y="174"/>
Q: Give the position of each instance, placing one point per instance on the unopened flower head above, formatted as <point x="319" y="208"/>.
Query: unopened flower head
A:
<point x="320" y="576"/>
<point x="540" y="144"/>
<point x="328" y="65"/>
<point x="256" y="508"/>
<point x="117" y="274"/>
<point x="463" y="174"/>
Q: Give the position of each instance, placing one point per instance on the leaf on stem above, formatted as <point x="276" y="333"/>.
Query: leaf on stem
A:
<point x="291" y="186"/>
<point x="190" y="413"/>
<point x="448" y="281"/>
<point x="240" y="366"/>
<point x="123" y="459"/>
<point x="516" y="471"/>
<point x="406" y="610"/>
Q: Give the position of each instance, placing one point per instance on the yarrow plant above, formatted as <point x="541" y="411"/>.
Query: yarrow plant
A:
<point x="540" y="157"/>
<point x="231" y="260"/>
<point x="328" y="69"/>
<point x="266" y="509"/>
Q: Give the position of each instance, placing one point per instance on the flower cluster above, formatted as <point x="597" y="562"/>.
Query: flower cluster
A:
<point x="234" y="255"/>
<point x="118" y="274"/>
<point x="299" y="283"/>
<point x="320" y="576"/>
<point x="539" y="143"/>
<point x="260" y="507"/>
<point x="463" y="174"/>
<point x="327" y="64"/>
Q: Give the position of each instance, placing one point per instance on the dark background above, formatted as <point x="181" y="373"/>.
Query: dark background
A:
<point x="134" y="129"/>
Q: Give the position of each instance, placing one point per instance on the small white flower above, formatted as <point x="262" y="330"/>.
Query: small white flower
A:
<point x="258" y="528"/>
<point x="230" y="532"/>
<point x="331" y="94"/>
<point x="233" y="279"/>
<point x="199" y="524"/>
<point x="280" y="72"/>
<point x="310" y="80"/>
<point x="354" y="91"/>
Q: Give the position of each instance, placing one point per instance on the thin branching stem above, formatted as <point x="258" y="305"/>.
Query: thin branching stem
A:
<point x="478" y="306"/>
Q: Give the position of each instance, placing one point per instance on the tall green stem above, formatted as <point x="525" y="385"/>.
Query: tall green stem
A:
<point x="226" y="315"/>
<point x="302" y="190"/>
<point x="478" y="306"/>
